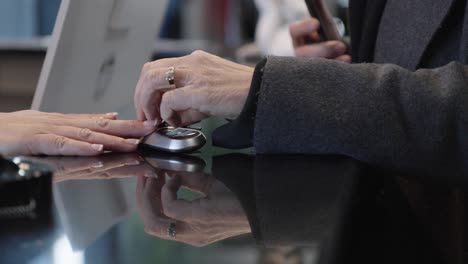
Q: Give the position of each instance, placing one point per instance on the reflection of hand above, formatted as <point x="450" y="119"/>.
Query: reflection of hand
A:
<point x="32" y="132"/>
<point x="200" y="222"/>
<point x="306" y="42"/>
<point x="100" y="167"/>
<point x="207" y="85"/>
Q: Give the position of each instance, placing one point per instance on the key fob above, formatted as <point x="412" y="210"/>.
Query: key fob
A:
<point x="174" y="139"/>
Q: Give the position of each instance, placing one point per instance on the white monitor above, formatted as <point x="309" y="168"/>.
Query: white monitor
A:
<point x="95" y="55"/>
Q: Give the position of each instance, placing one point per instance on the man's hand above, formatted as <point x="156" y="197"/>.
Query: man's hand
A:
<point x="34" y="133"/>
<point x="307" y="43"/>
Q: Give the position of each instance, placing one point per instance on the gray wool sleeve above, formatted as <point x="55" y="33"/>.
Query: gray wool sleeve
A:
<point x="380" y="114"/>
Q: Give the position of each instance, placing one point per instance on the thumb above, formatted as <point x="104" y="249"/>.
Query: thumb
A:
<point x="175" y="101"/>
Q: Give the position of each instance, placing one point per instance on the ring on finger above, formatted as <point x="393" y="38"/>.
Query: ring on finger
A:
<point x="170" y="76"/>
<point x="171" y="230"/>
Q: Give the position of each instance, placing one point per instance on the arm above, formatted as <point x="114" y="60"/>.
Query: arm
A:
<point x="380" y="114"/>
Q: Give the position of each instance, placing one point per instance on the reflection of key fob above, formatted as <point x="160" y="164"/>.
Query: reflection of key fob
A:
<point x="175" y="163"/>
<point x="172" y="139"/>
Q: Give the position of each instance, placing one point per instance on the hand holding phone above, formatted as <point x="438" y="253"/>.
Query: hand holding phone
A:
<point x="318" y="37"/>
<point x="319" y="10"/>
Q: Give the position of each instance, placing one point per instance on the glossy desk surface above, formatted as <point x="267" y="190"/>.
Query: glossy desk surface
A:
<point x="220" y="207"/>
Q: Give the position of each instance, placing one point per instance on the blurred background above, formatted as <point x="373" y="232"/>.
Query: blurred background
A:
<point x="240" y="30"/>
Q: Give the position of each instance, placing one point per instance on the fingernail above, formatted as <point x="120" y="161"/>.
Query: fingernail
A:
<point x="132" y="162"/>
<point x="97" y="147"/>
<point x="132" y="141"/>
<point x="150" y="174"/>
<point x="97" y="165"/>
<point x="113" y="114"/>
<point x="150" y="123"/>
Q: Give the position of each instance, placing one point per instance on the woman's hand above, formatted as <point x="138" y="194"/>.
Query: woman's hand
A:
<point x="217" y="216"/>
<point x="307" y="43"/>
<point x="33" y="133"/>
<point x="206" y="85"/>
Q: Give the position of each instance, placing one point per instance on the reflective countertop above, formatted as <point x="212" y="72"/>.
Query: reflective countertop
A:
<point x="217" y="206"/>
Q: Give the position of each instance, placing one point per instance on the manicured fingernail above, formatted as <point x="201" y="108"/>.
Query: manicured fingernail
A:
<point x="150" y="123"/>
<point x="97" y="165"/>
<point x="97" y="147"/>
<point x="132" y="141"/>
<point x="113" y="114"/>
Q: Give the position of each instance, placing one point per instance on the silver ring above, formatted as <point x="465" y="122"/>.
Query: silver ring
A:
<point x="170" y="75"/>
<point x="171" y="231"/>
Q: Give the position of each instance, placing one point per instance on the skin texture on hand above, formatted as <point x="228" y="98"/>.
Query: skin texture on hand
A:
<point x="34" y="133"/>
<point x="201" y="222"/>
<point x="307" y="43"/>
<point x="205" y="85"/>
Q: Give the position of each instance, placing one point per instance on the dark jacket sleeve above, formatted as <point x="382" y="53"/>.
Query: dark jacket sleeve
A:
<point x="380" y="114"/>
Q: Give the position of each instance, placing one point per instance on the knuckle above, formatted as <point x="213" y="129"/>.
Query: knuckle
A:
<point x="147" y="66"/>
<point x="167" y="98"/>
<point x="88" y="171"/>
<point x="198" y="53"/>
<point x="85" y="133"/>
<point x="300" y="52"/>
<point x="153" y="73"/>
<point x="60" y="142"/>
<point x="102" y="122"/>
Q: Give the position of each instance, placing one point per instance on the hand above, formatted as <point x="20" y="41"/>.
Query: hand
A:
<point x="199" y="222"/>
<point x="306" y="42"/>
<point x="107" y="166"/>
<point x="32" y="133"/>
<point x="207" y="85"/>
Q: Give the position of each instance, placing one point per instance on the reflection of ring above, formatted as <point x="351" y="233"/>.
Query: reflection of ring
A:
<point x="170" y="75"/>
<point x="171" y="232"/>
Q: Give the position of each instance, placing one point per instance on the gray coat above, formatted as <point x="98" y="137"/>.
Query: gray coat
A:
<point x="394" y="112"/>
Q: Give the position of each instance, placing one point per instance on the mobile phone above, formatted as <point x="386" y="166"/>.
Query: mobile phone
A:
<point x="319" y="10"/>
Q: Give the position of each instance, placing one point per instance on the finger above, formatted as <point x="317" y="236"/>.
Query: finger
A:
<point x="106" y="166"/>
<point x="112" y="115"/>
<point x="124" y="171"/>
<point x="110" y="142"/>
<point x="303" y="28"/>
<point x="140" y="186"/>
<point x="156" y="84"/>
<point x="344" y="58"/>
<point x="329" y="49"/>
<point x="163" y="63"/>
<point x="136" y="103"/>
<point x="146" y="81"/>
<point x="65" y="165"/>
<point x="188" y="117"/>
<point x="175" y="101"/>
<point x="120" y="128"/>
<point x="70" y="168"/>
<point x="49" y="144"/>
<point x="153" y="186"/>
<point x="149" y="103"/>
<point x="157" y="78"/>
<point x="130" y="171"/>
<point x="199" y="182"/>
<point x="173" y="208"/>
